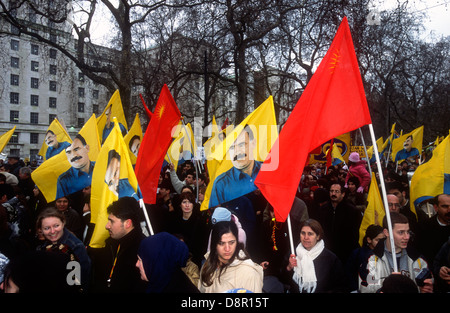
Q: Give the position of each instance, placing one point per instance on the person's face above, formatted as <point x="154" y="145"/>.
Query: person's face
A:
<point x="77" y="154"/>
<point x="400" y="234"/>
<point x="241" y="151"/>
<point x="186" y="206"/>
<point x="116" y="227"/>
<point x="394" y="203"/>
<point x="62" y="204"/>
<point x="407" y="145"/>
<point x="336" y="193"/>
<point x="50" y="140"/>
<point x="400" y="195"/>
<point x="351" y="186"/>
<point x="163" y="192"/>
<point x="308" y="237"/>
<point x="112" y="175"/>
<point x="52" y="228"/>
<point x="135" y="146"/>
<point x="373" y="242"/>
<point x="443" y="209"/>
<point x="189" y="179"/>
<point x="140" y="266"/>
<point x="226" y="247"/>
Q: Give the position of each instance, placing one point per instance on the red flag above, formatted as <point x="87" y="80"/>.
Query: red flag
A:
<point x="149" y="113"/>
<point x="155" y="143"/>
<point x="329" y="157"/>
<point x="332" y="103"/>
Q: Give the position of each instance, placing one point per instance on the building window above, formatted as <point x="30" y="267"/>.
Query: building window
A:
<point x="81" y="107"/>
<point x="53" y="53"/>
<point x="14" y="62"/>
<point x="53" y="38"/>
<point x="52" y="85"/>
<point x="34" y="138"/>
<point x="14" y="138"/>
<point x="51" y="118"/>
<point x="34" y="118"/>
<point x="34" y="100"/>
<point x="95" y="108"/>
<point x="14" y="80"/>
<point x="53" y="69"/>
<point x="14" y="45"/>
<point x="81" y="92"/>
<point x="80" y="77"/>
<point x="35" y="66"/>
<point x="95" y="94"/>
<point x="14" y="97"/>
<point x="80" y="122"/>
<point x="34" y="49"/>
<point x="34" y="82"/>
<point x="14" y="116"/>
<point x="52" y="102"/>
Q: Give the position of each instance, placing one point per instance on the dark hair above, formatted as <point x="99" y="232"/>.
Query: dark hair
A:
<point x="396" y="218"/>
<point x="113" y="154"/>
<point x="130" y="143"/>
<point x="81" y="138"/>
<point x="315" y="226"/>
<point x="354" y="180"/>
<point x="395" y="185"/>
<point x="398" y="283"/>
<point x="212" y="262"/>
<point x="187" y="195"/>
<point x="371" y="232"/>
<point x="6" y="189"/>
<point x="126" y="208"/>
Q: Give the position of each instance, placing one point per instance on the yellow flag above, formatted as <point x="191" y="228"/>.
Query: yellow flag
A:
<point x="4" y="139"/>
<point x="133" y="139"/>
<point x="433" y="177"/>
<point x="112" y="179"/>
<point x="71" y="171"/>
<point x="408" y="146"/>
<point x="183" y="147"/>
<point x="374" y="212"/>
<point x="336" y="155"/>
<point x="113" y="109"/>
<point x="240" y="156"/>
<point x="56" y="140"/>
<point x="379" y="144"/>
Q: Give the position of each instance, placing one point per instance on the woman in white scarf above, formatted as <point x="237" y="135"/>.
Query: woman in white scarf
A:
<point x="315" y="268"/>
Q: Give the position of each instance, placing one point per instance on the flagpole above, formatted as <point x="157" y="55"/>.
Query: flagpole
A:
<point x="291" y="241"/>
<point x="142" y="205"/>
<point x="365" y="150"/>
<point x="383" y="191"/>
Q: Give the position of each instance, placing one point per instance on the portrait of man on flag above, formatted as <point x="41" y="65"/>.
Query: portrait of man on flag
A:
<point x="239" y="156"/>
<point x="238" y="180"/>
<point x="71" y="170"/>
<point x="56" y="140"/>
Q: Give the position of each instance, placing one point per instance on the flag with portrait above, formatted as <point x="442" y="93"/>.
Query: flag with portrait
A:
<point x="57" y="139"/>
<point x="133" y="138"/>
<point x="72" y="170"/>
<point x="240" y="156"/>
<point x="105" y="122"/>
<point x="112" y="179"/>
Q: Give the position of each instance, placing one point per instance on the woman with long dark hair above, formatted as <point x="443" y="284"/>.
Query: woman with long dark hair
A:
<point x="228" y="266"/>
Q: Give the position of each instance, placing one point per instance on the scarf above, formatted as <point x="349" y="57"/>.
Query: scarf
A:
<point x="304" y="272"/>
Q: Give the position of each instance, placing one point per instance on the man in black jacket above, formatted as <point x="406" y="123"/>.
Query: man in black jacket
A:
<point x="114" y="266"/>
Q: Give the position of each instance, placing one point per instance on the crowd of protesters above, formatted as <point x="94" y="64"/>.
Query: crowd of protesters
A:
<point x="237" y="246"/>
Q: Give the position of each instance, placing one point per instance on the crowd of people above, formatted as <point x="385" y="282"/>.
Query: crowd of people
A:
<point x="236" y="246"/>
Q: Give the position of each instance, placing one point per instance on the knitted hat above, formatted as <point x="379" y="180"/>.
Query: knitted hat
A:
<point x="220" y="214"/>
<point x="354" y="157"/>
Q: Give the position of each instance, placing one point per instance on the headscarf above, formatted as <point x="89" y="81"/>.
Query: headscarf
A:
<point x="161" y="255"/>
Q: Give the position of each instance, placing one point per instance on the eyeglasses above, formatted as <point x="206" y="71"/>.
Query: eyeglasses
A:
<point x="397" y="205"/>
